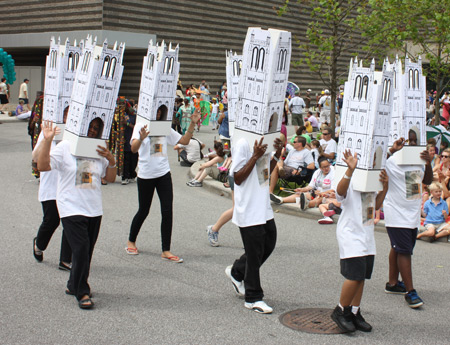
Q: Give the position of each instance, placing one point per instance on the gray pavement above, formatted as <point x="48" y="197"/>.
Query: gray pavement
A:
<point x="144" y="300"/>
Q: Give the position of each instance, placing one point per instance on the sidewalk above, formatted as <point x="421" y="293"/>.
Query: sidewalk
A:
<point x="292" y="209"/>
<point x="5" y="118"/>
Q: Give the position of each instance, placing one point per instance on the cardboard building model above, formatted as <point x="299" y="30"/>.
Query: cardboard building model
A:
<point x="365" y="123"/>
<point x="94" y="97"/>
<point x="262" y="85"/>
<point x="60" y="68"/>
<point x="158" y="88"/>
<point x="234" y="67"/>
<point x="409" y="109"/>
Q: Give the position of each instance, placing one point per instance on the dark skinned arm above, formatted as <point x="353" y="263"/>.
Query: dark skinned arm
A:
<point x="258" y="151"/>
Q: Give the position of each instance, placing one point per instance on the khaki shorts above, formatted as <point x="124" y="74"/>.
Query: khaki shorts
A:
<point x="297" y="119"/>
<point x="437" y="227"/>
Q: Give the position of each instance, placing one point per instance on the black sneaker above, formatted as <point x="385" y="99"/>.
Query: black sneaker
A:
<point x="344" y="319"/>
<point x="413" y="300"/>
<point x="360" y="323"/>
<point x="276" y="199"/>
<point x="304" y="203"/>
<point x="64" y="267"/>
<point x="398" y="288"/>
<point x="38" y="255"/>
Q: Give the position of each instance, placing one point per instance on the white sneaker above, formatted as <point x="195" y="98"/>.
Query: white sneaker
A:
<point x="276" y="199"/>
<point x="259" y="306"/>
<point x="213" y="237"/>
<point x="126" y="181"/>
<point x="325" y="220"/>
<point x="238" y="286"/>
<point x="132" y="179"/>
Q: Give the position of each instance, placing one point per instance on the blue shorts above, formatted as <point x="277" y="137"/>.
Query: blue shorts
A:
<point x="403" y="240"/>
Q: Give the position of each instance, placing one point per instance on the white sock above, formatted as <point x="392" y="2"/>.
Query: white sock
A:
<point x="340" y="306"/>
<point x="355" y="309"/>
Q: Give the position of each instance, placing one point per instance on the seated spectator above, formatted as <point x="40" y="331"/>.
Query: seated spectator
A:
<point x="435" y="211"/>
<point x="191" y="152"/>
<point x="301" y="131"/>
<point x="210" y="168"/>
<point x="316" y="151"/>
<point x="298" y="166"/>
<point x="313" y="120"/>
<point x="444" y="166"/>
<point x="308" y="126"/>
<point x="328" y="144"/>
<point x="21" y="112"/>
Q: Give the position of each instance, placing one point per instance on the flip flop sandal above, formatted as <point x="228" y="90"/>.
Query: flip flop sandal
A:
<point x="68" y="292"/>
<point x="173" y="258"/>
<point x="131" y="251"/>
<point x="86" y="303"/>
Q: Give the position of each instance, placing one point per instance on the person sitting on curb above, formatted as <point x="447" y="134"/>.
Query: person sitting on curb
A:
<point x="435" y="212"/>
<point x="191" y="152"/>
<point x="297" y="160"/>
<point x="210" y="168"/>
<point x="328" y="144"/>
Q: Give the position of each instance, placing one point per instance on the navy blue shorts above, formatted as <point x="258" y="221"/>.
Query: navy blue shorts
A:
<point x="403" y="240"/>
<point x="358" y="268"/>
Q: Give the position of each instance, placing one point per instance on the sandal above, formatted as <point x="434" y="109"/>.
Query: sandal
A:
<point x="173" y="258"/>
<point x="68" y="292"/>
<point x="86" y="303"/>
<point x="131" y="251"/>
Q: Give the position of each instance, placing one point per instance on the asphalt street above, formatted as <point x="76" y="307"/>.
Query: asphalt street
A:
<point x="145" y="300"/>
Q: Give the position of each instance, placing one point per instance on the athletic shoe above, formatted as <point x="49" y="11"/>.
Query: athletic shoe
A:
<point x="239" y="287"/>
<point x="213" y="236"/>
<point x="38" y="254"/>
<point x="360" y="323"/>
<point x="329" y="213"/>
<point x="413" y="300"/>
<point x="325" y="220"/>
<point x="126" y="181"/>
<point x="259" y="306"/>
<point x="132" y="179"/>
<point x="189" y="183"/>
<point x="276" y="199"/>
<point x="304" y="202"/>
<point x="344" y="318"/>
<point x="398" y="288"/>
<point x="195" y="184"/>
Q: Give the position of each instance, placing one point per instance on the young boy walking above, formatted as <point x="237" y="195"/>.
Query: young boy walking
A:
<point x="355" y="235"/>
<point x="435" y="211"/>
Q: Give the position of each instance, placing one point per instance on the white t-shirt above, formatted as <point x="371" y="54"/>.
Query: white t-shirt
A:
<point x="329" y="146"/>
<point x="355" y="227"/>
<point x="23" y="90"/>
<point x="404" y="197"/>
<point x="79" y="185"/>
<point x="296" y="158"/>
<point x="48" y="179"/>
<point x="3" y="89"/>
<point x="192" y="150"/>
<point x="153" y="162"/>
<point x="251" y="197"/>
<point x="322" y="182"/>
<point x="215" y="108"/>
<point x="297" y="104"/>
<point x="325" y="102"/>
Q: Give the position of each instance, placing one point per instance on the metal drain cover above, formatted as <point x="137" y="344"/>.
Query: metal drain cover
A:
<point x="311" y="320"/>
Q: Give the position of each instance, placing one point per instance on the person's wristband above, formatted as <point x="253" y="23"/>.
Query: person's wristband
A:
<point x="112" y="166"/>
<point x="192" y="132"/>
<point x="347" y="177"/>
<point x="276" y="158"/>
<point x="389" y="153"/>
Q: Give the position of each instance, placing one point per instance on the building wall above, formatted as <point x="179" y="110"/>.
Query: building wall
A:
<point x="204" y="30"/>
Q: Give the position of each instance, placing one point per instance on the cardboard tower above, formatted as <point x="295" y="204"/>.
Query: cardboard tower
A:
<point x="60" y="68"/>
<point x="234" y="67"/>
<point x="409" y="109"/>
<point x="262" y="85"/>
<point x="158" y="88"/>
<point x="365" y="123"/>
<point x="94" y="96"/>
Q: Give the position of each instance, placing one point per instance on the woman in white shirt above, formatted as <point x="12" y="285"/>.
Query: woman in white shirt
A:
<point x="79" y="201"/>
<point x="154" y="173"/>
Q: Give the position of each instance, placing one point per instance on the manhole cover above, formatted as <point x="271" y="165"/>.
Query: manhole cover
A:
<point x="312" y="320"/>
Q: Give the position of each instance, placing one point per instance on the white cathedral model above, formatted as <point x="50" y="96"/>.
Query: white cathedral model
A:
<point x="409" y="109"/>
<point x="94" y="96"/>
<point x="158" y="88"/>
<point x="60" y="68"/>
<point x="365" y="123"/>
<point x="262" y="84"/>
<point x="234" y="67"/>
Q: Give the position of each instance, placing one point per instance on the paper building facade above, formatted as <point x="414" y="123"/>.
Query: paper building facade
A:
<point x="409" y="109"/>
<point x="262" y="84"/>
<point x="158" y="88"/>
<point x="94" y="96"/>
<point x="234" y="67"/>
<point x="60" y="68"/>
<point x="365" y="123"/>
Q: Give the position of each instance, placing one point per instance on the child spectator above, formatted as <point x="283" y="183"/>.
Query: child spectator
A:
<point x="316" y="151"/>
<point x="355" y="235"/>
<point x="210" y="168"/>
<point x="214" y="113"/>
<point x="435" y="211"/>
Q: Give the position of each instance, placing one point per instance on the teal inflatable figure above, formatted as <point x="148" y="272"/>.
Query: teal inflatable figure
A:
<point x="8" y="66"/>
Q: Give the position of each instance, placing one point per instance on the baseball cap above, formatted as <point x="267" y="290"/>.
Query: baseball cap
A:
<point x="309" y="90"/>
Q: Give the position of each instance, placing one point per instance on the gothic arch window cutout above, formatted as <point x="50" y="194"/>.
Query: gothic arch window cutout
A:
<point x="358" y="144"/>
<point x="255" y="58"/>
<point x="112" y="68"/>
<point x="416" y="79"/>
<point x="247" y="108"/>
<point x="171" y="65"/>
<point x="365" y="87"/>
<point x="349" y="143"/>
<point x="105" y="66"/>
<point x="411" y="79"/>
<point x="356" y="91"/>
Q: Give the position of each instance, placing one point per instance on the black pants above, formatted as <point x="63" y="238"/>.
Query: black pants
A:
<point x="82" y="233"/>
<point x="130" y="161"/>
<point x="50" y="223"/>
<point x="259" y="242"/>
<point x="146" y="188"/>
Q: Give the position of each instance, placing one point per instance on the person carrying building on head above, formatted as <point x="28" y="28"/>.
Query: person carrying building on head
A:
<point x="355" y="235"/>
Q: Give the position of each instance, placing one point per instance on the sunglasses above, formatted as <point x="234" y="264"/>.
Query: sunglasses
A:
<point x="444" y="156"/>
<point x="326" y="133"/>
